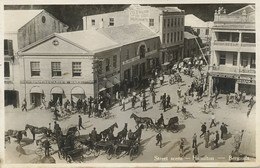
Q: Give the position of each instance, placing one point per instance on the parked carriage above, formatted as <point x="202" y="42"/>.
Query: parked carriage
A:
<point x="107" y="146"/>
<point x="131" y="147"/>
<point x="173" y="124"/>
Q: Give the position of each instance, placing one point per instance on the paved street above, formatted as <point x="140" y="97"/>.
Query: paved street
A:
<point x="233" y="115"/>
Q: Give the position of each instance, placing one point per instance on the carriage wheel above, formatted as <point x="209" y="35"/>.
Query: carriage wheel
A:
<point x="117" y="152"/>
<point x="69" y="159"/>
<point x="59" y="154"/>
<point x="110" y="152"/>
<point x="131" y="154"/>
<point x="88" y="151"/>
<point x="96" y="151"/>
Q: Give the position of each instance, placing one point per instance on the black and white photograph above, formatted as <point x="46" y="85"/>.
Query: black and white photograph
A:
<point x="129" y="83"/>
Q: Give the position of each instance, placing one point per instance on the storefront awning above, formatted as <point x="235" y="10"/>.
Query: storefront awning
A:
<point x="77" y="90"/>
<point x="36" y="89"/>
<point x="56" y="90"/>
<point x="109" y="84"/>
<point x="116" y="81"/>
<point x="101" y="88"/>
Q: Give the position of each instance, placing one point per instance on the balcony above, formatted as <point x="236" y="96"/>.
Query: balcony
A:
<point x="233" y="69"/>
<point x="225" y="69"/>
<point x="226" y="43"/>
<point x="248" y="45"/>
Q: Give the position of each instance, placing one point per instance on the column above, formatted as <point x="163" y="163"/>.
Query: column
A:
<point x="238" y="61"/>
<point x="210" y="87"/>
<point x="240" y="38"/>
<point x="236" y="87"/>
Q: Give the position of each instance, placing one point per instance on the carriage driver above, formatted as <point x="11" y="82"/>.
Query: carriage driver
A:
<point x="94" y="134"/>
<point x="130" y="135"/>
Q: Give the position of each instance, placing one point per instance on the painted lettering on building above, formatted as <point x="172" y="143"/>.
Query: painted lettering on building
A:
<point x="55" y="82"/>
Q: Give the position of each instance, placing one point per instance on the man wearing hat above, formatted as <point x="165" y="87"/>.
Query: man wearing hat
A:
<point x="80" y="123"/>
<point x="203" y="129"/>
<point x="159" y="139"/>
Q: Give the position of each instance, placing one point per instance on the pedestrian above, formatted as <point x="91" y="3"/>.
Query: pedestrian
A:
<point x="56" y="113"/>
<point x="212" y="120"/>
<point x="164" y="104"/>
<point x="24" y="105"/>
<point x="120" y="99"/>
<point x="194" y="140"/>
<point x="216" y="96"/>
<point x="19" y="137"/>
<point x="217" y="139"/>
<point x="130" y="135"/>
<point x="47" y="147"/>
<point x="210" y="102"/>
<point x="49" y="132"/>
<point x="161" y="80"/>
<point x="168" y="101"/>
<point x="195" y="153"/>
<point x="206" y="138"/>
<point x="205" y="107"/>
<point x="85" y="106"/>
<point x="159" y="139"/>
<point x="227" y="98"/>
<point x="43" y="104"/>
<point x="181" y="149"/>
<point x="80" y="123"/>
<point x="144" y="104"/>
<point x="179" y="92"/>
<point x="221" y="130"/>
<point x="203" y="129"/>
<point x="153" y="97"/>
<point x="179" y="105"/>
<point x="123" y="104"/>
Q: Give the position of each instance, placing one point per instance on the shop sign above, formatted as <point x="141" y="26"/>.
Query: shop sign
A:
<point x="55" y="82"/>
<point x="131" y="60"/>
<point x="244" y="81"/>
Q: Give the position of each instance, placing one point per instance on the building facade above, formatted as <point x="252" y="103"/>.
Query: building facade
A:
<point x="166" y="22"/>
<point x="233" y="58"/>
<point x="191" y="48"/>
<point x="28" y="27"/>
<point x="80" y="64"/>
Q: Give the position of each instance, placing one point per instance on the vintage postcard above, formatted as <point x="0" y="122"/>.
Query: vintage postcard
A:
<point x="129" y="84"/>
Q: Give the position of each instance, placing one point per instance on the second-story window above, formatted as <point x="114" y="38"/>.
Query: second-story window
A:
<point x="178" y="38"/>
<point x="8" y="47"/>
<point x="56" y="69"/>
<point x="235" y="59"/>
<point x="181" y="35"/>
<point x="171" y="37"/>
<point x="179" y="22"/>
<point x="172" y="22"/>
<point x="175" y="22"/>
<point x="175" y="37"/>
<point x="35" y="69"/>
<point x="168" y="23"/>
<point x="107" y="64"/>
<point x="151" y="22"/>
<point x="93" y="22"/>
<point x="167" y="37"/>
<point x="142" y="51"/>
<point x="76" y="69"/>
<point x="111" y="22"/>
<point x="207" y="32"/>
<point x="182" y="21"/>
<point x="163" y="38"/>
<point x="115" y="61"/>
<point x="164" y="23"/>
<point x="222" y="59"/>
<point x="7" y="69"/>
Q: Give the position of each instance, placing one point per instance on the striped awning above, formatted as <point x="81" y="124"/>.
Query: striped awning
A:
<point x="56" y="90"/>
<point x="36" y="89"/>
<point x="77" y="90"/>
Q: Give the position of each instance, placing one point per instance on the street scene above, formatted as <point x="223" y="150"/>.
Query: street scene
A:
<point x="145" y="84"/>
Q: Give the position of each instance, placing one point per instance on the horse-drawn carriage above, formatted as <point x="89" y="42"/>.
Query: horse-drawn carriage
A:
<point x="69" y="146"/>
<point x="173" y="124"/>
<point x="131" y="147"/>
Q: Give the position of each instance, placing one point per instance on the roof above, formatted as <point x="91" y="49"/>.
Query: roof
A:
<point x="169" y="9"/>
<point x="21" y="18"/>
<point x="248" y="9"/>
<point x="91" y="39"/>
<point x="128" y="33"/>
<point x="187" y="35"/>
<point x="193" y="21"/>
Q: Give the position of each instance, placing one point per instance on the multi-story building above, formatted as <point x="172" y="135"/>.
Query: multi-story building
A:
<point x="233" y="47"/>
<point x="27" y="27"/>
<point x="86" y="63"/>
<point x="166" y="22"/>
<point x="191" y="48"/>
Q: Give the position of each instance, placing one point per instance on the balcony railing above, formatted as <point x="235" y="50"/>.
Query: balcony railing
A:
<point x="248" y="44"/>
<point x="233" y="69"/>
<point x="225" y="43"/>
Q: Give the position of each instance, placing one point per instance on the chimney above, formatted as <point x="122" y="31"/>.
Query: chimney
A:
<point x="84" y="22"/>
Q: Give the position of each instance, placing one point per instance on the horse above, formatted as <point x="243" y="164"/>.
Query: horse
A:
<point x="36" y="130"/>
<point x="122" y="134"/>
<point x="142" y="120"/>
<point x="138" y="133"/>
<point x="14" y="133"/>
<point x="108" y="130"/>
